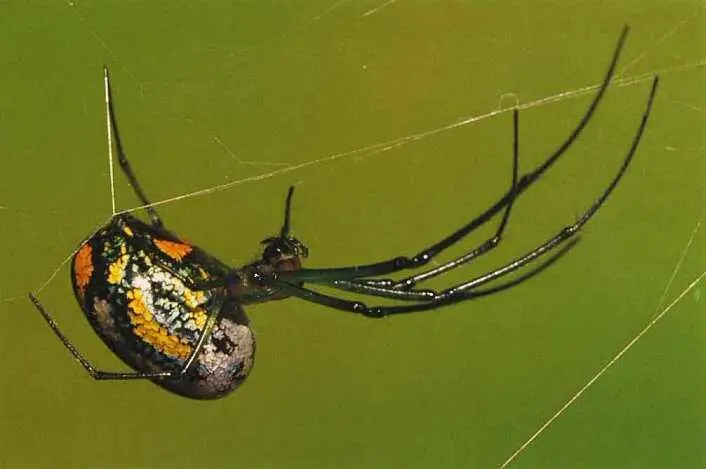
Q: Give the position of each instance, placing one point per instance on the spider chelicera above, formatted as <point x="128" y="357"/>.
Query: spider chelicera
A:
<point x="173" y="312"/>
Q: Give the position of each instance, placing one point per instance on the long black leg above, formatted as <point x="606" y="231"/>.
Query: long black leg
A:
<point x="95" y="373"/>
<point x="382" y="291"/>
<point x="429" y="302"/>
<point x="284" y="232"/>
<point x="122" y="159"/>
<point x="275" y="246"/>
<point x="409" y="282"/>
<point x="118" y="375"/>
<point x="431" y="295"/>
<point x="570" y="230"/>
<point x="469" y="290"/>
<point x="402" y="263"/>
<point x="526" y="276"/>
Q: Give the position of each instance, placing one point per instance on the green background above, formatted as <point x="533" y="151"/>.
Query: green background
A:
<point x="288" y="83"/>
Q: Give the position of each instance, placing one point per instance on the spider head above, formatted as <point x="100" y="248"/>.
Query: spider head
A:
<point x="284" y="252"/>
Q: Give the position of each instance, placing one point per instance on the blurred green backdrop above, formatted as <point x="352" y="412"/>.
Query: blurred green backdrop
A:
<point x="211" y="93"/>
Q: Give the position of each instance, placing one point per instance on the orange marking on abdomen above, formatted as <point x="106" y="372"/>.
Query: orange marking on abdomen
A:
<point x="83" y="267"/>
<point x="172" y="249"/>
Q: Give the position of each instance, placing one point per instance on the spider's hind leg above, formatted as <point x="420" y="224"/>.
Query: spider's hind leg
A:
<point x="122" y="158"/>
<point x="97" y="374"/>
<point x="90" y="369"/>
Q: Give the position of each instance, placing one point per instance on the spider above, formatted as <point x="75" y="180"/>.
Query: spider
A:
<point x="173" y="312"/>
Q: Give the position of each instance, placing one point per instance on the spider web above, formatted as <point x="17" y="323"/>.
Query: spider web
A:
<point x="622" y="79"/>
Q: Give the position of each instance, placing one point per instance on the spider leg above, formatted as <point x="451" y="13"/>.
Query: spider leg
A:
<point x="284" y="232"/>
<point x="469" y="290"/>
<point x="384" y="292"/>
<point x="122" y="158"/>
<point x="95" y="373"/>
<point x="487" y="246"/>
<point x="423" y="257"/>
<point x="430" y="295"/>
<point x="425" y="296"/>
<point x="569" y="231"/>
<point x="118" y="375"/>
<point x="527" y="275"/>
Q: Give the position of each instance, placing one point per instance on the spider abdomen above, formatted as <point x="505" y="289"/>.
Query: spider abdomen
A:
<point x="136" y="286"/>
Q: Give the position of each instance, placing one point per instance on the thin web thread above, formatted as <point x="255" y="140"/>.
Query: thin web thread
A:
<point x="682" y="258"/>
<point x="372" y="11"/>
<point x="390" y="144"/>
<point x="110" y="142"/>
<point x="615" y="358"/>
<point x="68" y="258"/>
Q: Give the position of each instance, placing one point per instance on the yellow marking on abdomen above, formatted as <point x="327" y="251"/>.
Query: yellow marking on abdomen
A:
<point x="152" y="332"/>
<point x="116" y="270"/>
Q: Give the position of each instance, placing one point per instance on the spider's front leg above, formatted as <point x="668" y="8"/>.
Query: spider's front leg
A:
<point x="112" y="128"/>
<point x="470" y="289"/>
<point x="396" y="264"/>
<point x="407" y="284"/>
